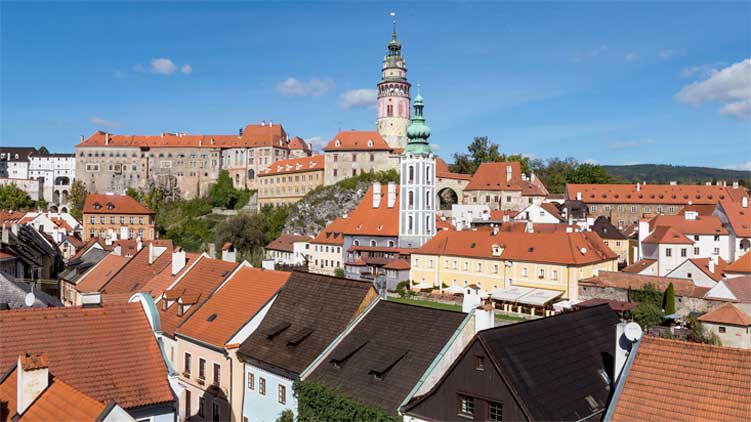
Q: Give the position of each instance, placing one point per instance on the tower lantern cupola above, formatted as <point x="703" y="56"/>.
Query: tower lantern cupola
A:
<point x="393" y="105"/>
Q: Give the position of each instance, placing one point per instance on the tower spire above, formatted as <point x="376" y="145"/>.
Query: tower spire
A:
<point x="418" y="132"/>
<point x="393" y="31"/>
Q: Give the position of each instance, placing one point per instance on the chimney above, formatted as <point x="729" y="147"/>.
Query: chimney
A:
<point x="91" y="299"/>
<point x="673" y="183"/>
<point x="376" y="195"/>
<point x="485" y="315"/>
<point x="711" y="265"/>
<point x="263" y="122"/>
<point x="708" y="183"/>
<point x="638" y="187"/>
<point x="735" y="185"/>
<point x="33" y="378"/>
<point x="643" y="230"/>
<point x="391" y="195"/>
<point x="106" y="139"/>
<point x="81" y="138"/>
<point x="139" y="244"/>
<point x="508" y="172"/>
<point x="744" y="202"/>
<point x="240" y="132"/>
<point x="271" y="123"/>
<point x="178" y="260"/>
<point x="229" y="253"/>
<point x="578" y="196"/>
<point x="623" y="347"/>
<point x="118" y="250"/>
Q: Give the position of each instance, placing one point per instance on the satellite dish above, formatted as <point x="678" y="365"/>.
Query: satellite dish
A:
<point x="29" y="299"/>
<point x="632" y="331"/>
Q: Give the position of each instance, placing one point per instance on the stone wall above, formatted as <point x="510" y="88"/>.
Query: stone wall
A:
<point x="684" y="305"/>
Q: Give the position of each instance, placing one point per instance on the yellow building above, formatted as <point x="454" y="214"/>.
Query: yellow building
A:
<point x="287" y="181"/>
<point x="116" y="217"/>
<point x="493" y="260"/>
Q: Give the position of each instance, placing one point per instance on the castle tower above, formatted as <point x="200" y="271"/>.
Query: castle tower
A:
<point x="417" y="167"/>
<point x="393" y="95"/>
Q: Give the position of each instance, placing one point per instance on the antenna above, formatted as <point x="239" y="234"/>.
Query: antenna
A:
<point x="632" y="331"/>
<point x="30" y="299"/>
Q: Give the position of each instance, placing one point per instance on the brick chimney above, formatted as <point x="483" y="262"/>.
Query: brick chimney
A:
<point x="33" y="377"/>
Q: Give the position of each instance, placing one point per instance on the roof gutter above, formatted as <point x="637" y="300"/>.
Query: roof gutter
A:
<point x="436" y="360"/>
<point x="621" y="382"/>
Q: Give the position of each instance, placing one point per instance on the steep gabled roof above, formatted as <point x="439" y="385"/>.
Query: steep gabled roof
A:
<point x="299" y="143"/>
<point x="378" y="365"/>
<point x="141" y="269"/>
<point x="667" y="235"/>
<point x="739" y="217"/>
<point x="95" y="350"/>
<point x="493" y="177"/>
<point x="740" y="287"/>
<point x="681" y="381"/>
<point x="741" y="265"/>
<point x="98" y="276"/>
<point x="232" y="305"/>
<point x="308" y="313"/>
<point x="606" y="229"/>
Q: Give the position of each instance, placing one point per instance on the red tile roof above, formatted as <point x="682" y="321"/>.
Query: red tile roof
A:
<point x="299" y="143"/>
<point x="76" y="242"/>
<point x="667" y="235"/>
<point x="581" y="248"/>
<point x="625" y="281"/>
<point x="253" y="136"/>
<point x="678" y="381"/>
<point x="357" y="140"/>
<point x="398" y="264"/>
<point x="740" y="287"/>
<point x="741" y="265"/>
<point x="652" y="194"/>
<point x="113" y="204"/>
<point x="193" y="289"/>
<point x="639" y="266"/>
<point x="232" y="305"/>
<point x="294" y="165"/>
<point x="442" y="171"/>
<point x="59" y="401"/>
<point x="285" y="242"/>
<point x="95" y="350"/>
<point x="492" y="177"/>
<point x="138" y="272"/>
<point x="727" y="314"/>
<point x="703" y="224"/>
<point x="332" y="234"/>
<point x="703" y="265"/>
<point x="738" y="216"/>
<point x="98" y="276"/>
<point x="370" y="221"/>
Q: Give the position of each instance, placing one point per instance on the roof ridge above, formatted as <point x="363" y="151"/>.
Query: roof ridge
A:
<point x="696" y="345"/>
<point x="396" y="303"/>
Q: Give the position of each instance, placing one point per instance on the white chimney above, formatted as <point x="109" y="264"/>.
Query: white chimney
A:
<point x="578" y="196"/>
<point x="735" y="185"/>
<point x="673" y="183"/>
<point x="508" y="172"/>
<point x="139" y="244"/>
<point x="178" y="260"/>
<point x="643" y="230"/>
<point x="376" y="195"/>
<point x="485" y="315"/>
<point x="744" y="202"/>
<point x="118" y="250"/>
<point x="271" y="123"/>
<point x="91" y="299"/>
<point x="106" y="139"/>
<point x="638" y="187"/>
<point x="711" y="266"/>
<point x="32" y="378"/>
<point x="229" y="253"/>
<point x="391" y="195"/>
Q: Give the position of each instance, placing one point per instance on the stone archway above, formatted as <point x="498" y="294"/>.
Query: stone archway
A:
<point x="446" y="197"/>
<point x="56" y="197"/>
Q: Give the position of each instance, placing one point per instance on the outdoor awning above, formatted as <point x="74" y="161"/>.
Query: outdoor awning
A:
<point x="422" y="286"/>
<point x="539" y="297"/>
<point x="454" y="289"/>
<point x="565" y="304"/>
<point x="510" y="294"/>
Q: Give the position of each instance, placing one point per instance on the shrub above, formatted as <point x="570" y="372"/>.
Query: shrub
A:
<point x="669" y="300"/>
<point x="317" y="402"/>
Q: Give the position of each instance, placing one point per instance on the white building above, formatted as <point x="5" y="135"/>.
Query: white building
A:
<point x="289" y="249"/>
<point x="57" y="172"/>
<point x="546" y="212"/>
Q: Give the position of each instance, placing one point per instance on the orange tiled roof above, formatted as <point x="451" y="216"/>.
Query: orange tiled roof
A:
<point x="442" y="171"/>
<point x="703" y="224"/>
<point x="286" y="242"/>
<point x="667" y="235"/>
<point x="740" y="287"/>
<point x="370" y="221"/>
<point x="492" y="177"/>
<point x="299" y="143"/>
<point x="552" y="209"/>
<point x="398" y="264"/>
<point x="232" y="305"/>
<point x="703" y="265"/>
<point x="738" y="216"/>
<point x="639" y="266"/>
<point x="332" y="234"/>
<point x="357" y="140"/>
<point x="253" y="136"/>
<point x="193" y="288"/>
<point x="727" y="314"/>
<point x="653" y="194"/>
<point x="95" y="350"/>
<point x="59" y="401"/>
<point x="678" y="381"/>
<point x="98" y="276"/>
<point x="11" y="217"/>
<point x="625" y="281"/>
<point x="161" y="282"/>
<point x="578" y="248"/>
<point x="294" y="165"/>
<point x="134" y="276"/>
<point x="741" y="265"/>
<point x="113" y="204"/>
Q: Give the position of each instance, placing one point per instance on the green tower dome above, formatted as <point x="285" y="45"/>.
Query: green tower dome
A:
<point x="417" y="131"/>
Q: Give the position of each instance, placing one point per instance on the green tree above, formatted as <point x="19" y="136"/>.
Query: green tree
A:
<point x="669" y="300"/>
<point x="43" y="150"/>
<point x="589" y="173"/>
<point x="481" y="150"/>
<point x="222" y="193"/>
<point x="13" y="198"/>
<point x="77" y="198"/>
<point x="134" y="193"/>
<point x="339" y="272"/>
<point x="286" y="416"/>
<point x="647" y="315"/>
<point x="317" y="402"/>
<point x="699" y="334"/>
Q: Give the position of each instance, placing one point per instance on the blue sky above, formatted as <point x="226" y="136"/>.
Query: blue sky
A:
<point x="615" y="83"/>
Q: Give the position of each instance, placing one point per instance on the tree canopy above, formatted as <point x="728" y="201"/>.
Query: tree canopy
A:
<point x="481" y="150"/>
<point x="13" y="198"/>
<point x="77" y="198"/>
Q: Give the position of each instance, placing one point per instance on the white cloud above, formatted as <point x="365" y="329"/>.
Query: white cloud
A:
<point x="632" y="57"/>
<point x="730" y="87"/>
<point x="107" y="124"/>
<point x="186" y="69"/>
<point x="630" y="144"/>
<point x="741" y="166"/>
<point x="314" y="87"/>
<point x="701" y="71"/>
<point x="317" y="142"/>
<point x="590" y="54"/>
<point x="359" y="98"/>
<point x="668" y="54"/>
<point x="162" y="66"/>
<point x="435" y="147"/>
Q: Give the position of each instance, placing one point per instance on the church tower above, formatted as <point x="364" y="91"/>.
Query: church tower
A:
<point x="393" y="95"/>
<point x="417" y="172"/>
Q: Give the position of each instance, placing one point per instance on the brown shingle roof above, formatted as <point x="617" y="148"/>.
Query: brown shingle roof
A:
<point x="678" y="381"/>
<point x="286" y="242"/>
<point x="284" y="340"/>
<point x="233" y="305"/>
<point x="95" y="350"/>
<point x="639" y="266"/>
<point x="621" y="280"/>
<point x="113" y="204"/>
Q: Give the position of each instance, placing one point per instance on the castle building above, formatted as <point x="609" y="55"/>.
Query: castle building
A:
<point x="417" y="170"/>
<point x="393" y="103"/>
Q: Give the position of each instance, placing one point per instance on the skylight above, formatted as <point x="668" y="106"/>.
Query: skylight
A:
<point x="211" y="317"/>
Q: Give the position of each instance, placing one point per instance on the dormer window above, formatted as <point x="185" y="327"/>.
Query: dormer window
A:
<point x="370" y="143"/>
<point x="338" y="143"/>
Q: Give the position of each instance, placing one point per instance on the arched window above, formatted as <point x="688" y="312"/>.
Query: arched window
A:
<point x="427" y="224"/>
<point x="372" y="242"/>
<point x="356" y="243"/>
<point x="389" y="110"/>
<point x="411" y="174"/>
<point x="411" y="201"/>
<point x="427" y="174"/>
<point x="251" y="174"/>
<point x="409" y="224"/>
<point x="427" y="200"/>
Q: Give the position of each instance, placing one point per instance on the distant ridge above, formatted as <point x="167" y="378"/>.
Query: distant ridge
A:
<point x="663" y="173"/>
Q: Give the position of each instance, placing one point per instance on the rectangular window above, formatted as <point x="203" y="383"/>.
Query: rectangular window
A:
<point x="722" y="329"/>
<point x="251" y="382"/>
<point x="716" y="251"/>
<point x="122" y="220"/>
<point x="466" y="406"/>
<point x="555" y="275"/>
<point x="479" y="363"/>
<point x="684" y="252"/>
<point x="186" y="364"/>
<point x="633" y="209"/>
<point x="140" y="220"/>
<point x="696" y="251"/>
<point x="102" y="220"/>
<point x="201" y="368"/>
<point x="696" y="237"/>
<point x="647" y="209"/>
<point x="593" y="208"/>
<point x="112" y="219"/>
<point x="668" y="252"/>
<point x="217" y="373"/>
<point x="201" y="406"/>
<point x="524" y="272"/>
<point x="495" y="411"/>
<point x="132" y="220"/>
<point x="541" y="273"/>
<point x="282" y="395"/>
<point x="261" y="386"/>
<point x="717" y="238"/>
<point x="92" y="220"/>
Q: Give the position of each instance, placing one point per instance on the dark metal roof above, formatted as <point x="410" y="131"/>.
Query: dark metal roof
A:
<point x="387" y="352"/>
<point x="606" y="230"/>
